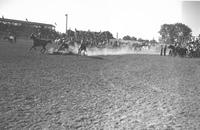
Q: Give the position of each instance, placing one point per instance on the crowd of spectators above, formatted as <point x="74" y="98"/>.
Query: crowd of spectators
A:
<point x="194" y="46"/>
<point x="90" y="37"/>
<point x="23" y="30"/>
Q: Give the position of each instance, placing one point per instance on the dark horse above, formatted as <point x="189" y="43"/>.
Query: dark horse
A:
<point x="82" y="48"/>
<point x="64" y="45"/>
<point x="172" y="51"/>
<point x="137" y="47"/>
<point x="39" y="43"/>
<point x="177" y="50"/>
<point x="182" y="51"/>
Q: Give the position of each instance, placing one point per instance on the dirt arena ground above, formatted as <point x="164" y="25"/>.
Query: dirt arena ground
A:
<point x="68" y="92"/>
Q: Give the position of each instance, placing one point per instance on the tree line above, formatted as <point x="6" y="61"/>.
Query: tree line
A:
<point x="176" y="34"/>
<point x="132" y="38"/>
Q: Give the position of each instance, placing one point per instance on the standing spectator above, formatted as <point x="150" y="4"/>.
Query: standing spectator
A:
<point x="161" y="51"/>
<point x="165" y="49"/>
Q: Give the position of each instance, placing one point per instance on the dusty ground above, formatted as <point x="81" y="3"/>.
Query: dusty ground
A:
<point x="134" y="92"/>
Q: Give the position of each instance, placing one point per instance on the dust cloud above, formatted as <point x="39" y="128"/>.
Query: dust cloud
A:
<point x="94" y="51"/>
<point x="122" y="51"/>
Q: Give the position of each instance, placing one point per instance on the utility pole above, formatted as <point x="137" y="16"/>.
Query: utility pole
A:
<point x="117" y="39"/>
<point x="66" y="21"/>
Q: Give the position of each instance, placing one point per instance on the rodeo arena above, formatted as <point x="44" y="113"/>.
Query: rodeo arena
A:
<point x="72" y="42"/>
<point x="91" y="80"/>
<point x="88" y="42"/>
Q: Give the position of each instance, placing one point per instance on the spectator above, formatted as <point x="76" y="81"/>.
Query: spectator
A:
<point x="165" y="48"/>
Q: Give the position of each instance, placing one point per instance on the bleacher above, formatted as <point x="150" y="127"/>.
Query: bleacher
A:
<point x="23" y="29"/>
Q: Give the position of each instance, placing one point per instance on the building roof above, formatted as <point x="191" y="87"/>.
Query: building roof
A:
<point x="25" y="22"/>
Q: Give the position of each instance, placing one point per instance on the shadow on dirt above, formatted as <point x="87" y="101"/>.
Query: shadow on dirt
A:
<point x="60" y="53"/>
<point x="64" y="54"/>
<point x="96" y="57"/>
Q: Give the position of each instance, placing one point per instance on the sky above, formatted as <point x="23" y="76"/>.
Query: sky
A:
<point x="139" y="18"/>
<point x="191" y="15"/>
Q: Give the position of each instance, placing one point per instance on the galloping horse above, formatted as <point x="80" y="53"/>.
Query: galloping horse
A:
<point x="64" y="45"/>
<point x="39" y="43"/>
<point x="137" y="47"/>
<point x="82" y="48"/>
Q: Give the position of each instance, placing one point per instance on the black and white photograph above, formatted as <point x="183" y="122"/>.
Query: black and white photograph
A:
<point x="99" y="65"/>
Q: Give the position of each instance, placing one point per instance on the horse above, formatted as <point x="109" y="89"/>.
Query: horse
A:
<point x="39" y="43"/>
<point x="82" y="48"/>
<point x="177" y="50"/>
<point x="181" y="51"/>
<point x="10" y="38"/>
<point x="172" y="51"/>
<point x="137" y="47"/>
<point x="64" y="45"/>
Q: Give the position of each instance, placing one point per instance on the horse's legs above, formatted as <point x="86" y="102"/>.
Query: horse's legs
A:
<point x="33" y="47"/>
<point x="60" y="48"/>
<point x="43" y="49"/>
<point x="85" y="51"/>
<point x="170" y="53"/>
<point x="79" y="51"/>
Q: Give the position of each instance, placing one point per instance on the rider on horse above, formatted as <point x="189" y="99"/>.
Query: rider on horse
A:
<point x="82" y="47"/>
<point x="64" y="44"/>
<point x="37" y="42"/>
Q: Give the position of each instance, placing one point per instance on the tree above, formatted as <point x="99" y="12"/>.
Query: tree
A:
<point x="175" y="33"/>
<point x="127" y="37"/>
<point x="183" y="33"/>
<point x="109" y="35"/>
<point x="140" y="40"/>
<point x="153" y="41"/>
<point x="133" y="38"/>
<point x="167" y="33"/>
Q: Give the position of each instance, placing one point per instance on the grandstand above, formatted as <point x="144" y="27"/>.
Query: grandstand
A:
<point x="23" y="29"/>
